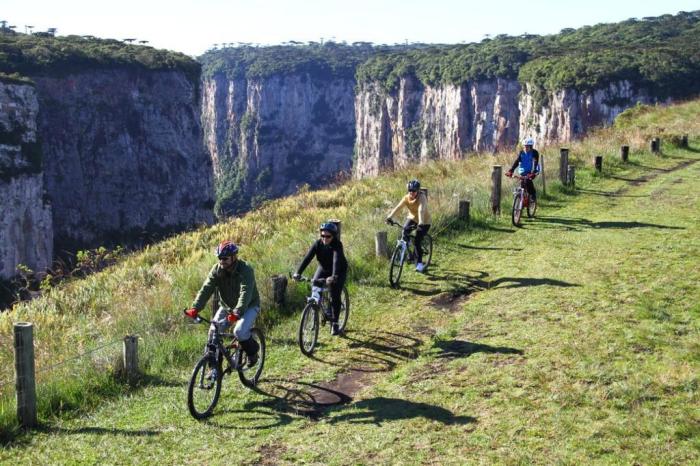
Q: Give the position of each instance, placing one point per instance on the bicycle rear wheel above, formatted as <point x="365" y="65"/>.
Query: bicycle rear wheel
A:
<point x="308" y="329"/>
<point x="344" y="309"/>
<point x="203" y="391"/>
<point x="531" y="207"/>
<point x="250" y="375"/>
<point x="396" y="267"/>
<point x="426" y="247"/>
<point x="517" y="208"/>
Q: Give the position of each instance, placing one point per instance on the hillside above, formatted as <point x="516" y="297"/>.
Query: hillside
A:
<point x="570" y="339"/>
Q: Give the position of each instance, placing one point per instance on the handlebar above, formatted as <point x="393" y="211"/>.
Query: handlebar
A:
<point x="397" y="224"/>
<point x="231" y="317"/>
<point x="318" y="282"/>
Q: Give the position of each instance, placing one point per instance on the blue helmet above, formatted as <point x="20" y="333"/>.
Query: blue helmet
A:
<point x="413" y="185"/>
<point x="225" y="249"/>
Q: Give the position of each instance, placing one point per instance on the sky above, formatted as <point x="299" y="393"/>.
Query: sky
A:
<point x="192" y="27"/>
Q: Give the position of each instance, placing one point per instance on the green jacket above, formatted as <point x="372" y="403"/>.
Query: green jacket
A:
<point x="237" y="289"/>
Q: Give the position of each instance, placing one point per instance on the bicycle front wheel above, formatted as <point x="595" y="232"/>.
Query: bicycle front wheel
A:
<point x="308" y="329"/>
<point x="344" y="310"/>
<point x="396" y="267"/>
<point x="250" y="375"/>
<point x="426" y="247"/>
<point x="204" y="389"/>
<point x="517" y="209"/>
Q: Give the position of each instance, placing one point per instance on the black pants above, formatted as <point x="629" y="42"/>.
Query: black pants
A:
<point x="421" y="231"/>
<point x="530" y="188"/>
<point x="336" y="290"/>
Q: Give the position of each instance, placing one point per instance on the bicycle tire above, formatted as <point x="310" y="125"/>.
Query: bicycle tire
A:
<point x="396" y="267"/>
<point x="201" y="389"/>
<point x="250" y="375"/>
<point x="517" y="209"/>
<point x="426" y="247"/>
<point x="344" y="310"/>
<point x="308" y="329"/>
<point x="531" y="207"/>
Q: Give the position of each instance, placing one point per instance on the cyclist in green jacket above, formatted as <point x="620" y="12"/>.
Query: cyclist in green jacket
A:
<point x="234" y="279"/>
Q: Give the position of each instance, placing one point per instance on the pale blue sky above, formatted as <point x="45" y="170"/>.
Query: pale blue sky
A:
<point x="193" y="26"/>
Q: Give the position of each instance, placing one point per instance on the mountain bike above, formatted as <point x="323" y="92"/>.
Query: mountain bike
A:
<point x="521" y="199"/>
<point x="317" y="313"/>
<point x="208" y="374"/>
<point x="405" y="251"/>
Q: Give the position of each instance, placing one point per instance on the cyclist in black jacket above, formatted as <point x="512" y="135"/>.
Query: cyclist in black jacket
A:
<point x="332" y="265"/>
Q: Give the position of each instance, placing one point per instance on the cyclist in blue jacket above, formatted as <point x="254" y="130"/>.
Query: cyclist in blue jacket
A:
<point x="528" y="165"/>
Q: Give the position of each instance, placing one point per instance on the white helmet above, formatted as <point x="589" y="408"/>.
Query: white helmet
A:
<point x="528" y="142"/>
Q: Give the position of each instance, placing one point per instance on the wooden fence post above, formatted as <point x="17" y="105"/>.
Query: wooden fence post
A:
<point x="571" y="176"/>
<point x="656" y="145"/>
<point x="25" y="384"/>
<point x="380" y="244"/>
<point x="279" y="289"/>
<point x="131" y="357"/>
<point x="496" y="190"/>
<point x="544" y="183"/>
<point x="624" y="153"/>
<point x="599" y="163"/>
<point x="684" y="141"/>
<point x="563" y="164"/>
<point x="464" y="210"/>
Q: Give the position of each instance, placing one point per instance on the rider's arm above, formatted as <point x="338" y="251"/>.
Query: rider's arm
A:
<point x="307" y="258"/>
<point x="245" y="295"/>
<point x="422" y="209"/>
<point x="396" y="209"/>
<point x="535" y="162"/>
<point x="515" y="164"/>
<point x="206" y="290"/>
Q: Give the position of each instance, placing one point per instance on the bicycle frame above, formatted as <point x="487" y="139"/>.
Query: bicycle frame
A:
<point x="219" y="348"/>
<point x="406" y="246"/>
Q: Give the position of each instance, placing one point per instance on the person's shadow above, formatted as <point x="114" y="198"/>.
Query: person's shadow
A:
<point x="453" y="349"/>
<point x="381" y="409"/>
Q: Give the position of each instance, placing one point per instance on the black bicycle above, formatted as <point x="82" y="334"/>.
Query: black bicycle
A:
<point x="405" y="252"/>
<point x="208" y="374"/>
<point x="317" y="313"/>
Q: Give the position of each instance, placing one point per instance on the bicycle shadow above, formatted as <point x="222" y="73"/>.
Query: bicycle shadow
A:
<point x="583" y="223"/>
<point x="453" y="349"/>
<point x="382" y="409"/>
<point x="453" y="246"/>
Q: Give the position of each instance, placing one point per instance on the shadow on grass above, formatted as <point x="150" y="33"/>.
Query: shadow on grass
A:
<point x="99" y="431"/>
<point x="595" y="192"/>
<point x="451" y="245"/>
<point x="453" y="349"/>
<point x="573" y="223"/>
<point x="382" y="409"/>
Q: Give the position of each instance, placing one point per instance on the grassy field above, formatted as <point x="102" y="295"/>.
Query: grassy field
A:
<point x="572" y="339"/>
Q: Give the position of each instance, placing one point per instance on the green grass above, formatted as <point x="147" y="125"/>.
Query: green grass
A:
<point x="571" y="339"/>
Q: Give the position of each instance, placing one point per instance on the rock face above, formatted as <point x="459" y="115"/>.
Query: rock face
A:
<point x="569" y="114"/>
<point x="25" y="216"/>
<point x="416" y="123"/>
<point x="123" y="156"/>
<point x="269" y="135"/>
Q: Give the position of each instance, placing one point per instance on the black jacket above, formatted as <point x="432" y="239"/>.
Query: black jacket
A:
<point x="331" y="257"/>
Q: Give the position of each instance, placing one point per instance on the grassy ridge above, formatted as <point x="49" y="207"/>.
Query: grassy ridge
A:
<point x="143" y="293"/>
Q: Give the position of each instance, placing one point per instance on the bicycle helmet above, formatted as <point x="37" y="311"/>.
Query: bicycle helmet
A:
<point x="225" y="249"/>
<point x="329" y="226"/>
<point x="528" y="142"/>
<point x="413" y="185"/>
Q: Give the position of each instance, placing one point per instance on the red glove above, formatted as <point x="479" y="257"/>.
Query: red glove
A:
<point x="532" y="175"/>
<point x="192" y="312"/>
<point x="232" y="317"/>
<point x="509" y="173"/>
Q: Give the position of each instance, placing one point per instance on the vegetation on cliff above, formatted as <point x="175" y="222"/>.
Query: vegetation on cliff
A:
<point x="31" y="55"/>
<point x="657" y="53"/>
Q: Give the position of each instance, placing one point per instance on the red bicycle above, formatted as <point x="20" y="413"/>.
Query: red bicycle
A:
<point x="522" y="200"/>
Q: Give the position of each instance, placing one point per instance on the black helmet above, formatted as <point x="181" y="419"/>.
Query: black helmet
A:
<point x="329" y="226"/>
<point x="413" y="185"/>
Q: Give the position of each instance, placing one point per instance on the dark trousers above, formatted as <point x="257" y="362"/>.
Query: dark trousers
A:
<point x="421" y="231"/>
<point x="336" y="290"/>
<point x="530" y="188"/>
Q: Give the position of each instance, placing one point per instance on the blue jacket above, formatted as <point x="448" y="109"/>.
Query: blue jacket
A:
<point x="527" y="162"/>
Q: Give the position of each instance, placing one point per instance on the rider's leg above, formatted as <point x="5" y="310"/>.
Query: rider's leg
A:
<point x="242" y="332"/>
<point x="319" y="274"/>
<point x="530" y="185"/>
<point x="421" y="231"/>
<point x="337" y="297"/>
<point x="407" y="228"/>
<point x="219" y="320"/>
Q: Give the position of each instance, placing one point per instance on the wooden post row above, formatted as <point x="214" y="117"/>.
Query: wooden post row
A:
<point x="563" y="164"/>
<point x="624" y="153"/>
<point x="25" y="384"/>
<point x="131" y="357"/>
<point x="496" y="190"/>
<point x="380" y="244"/>
<point x="599" y="163"/>
<point x="464" y="210"/>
